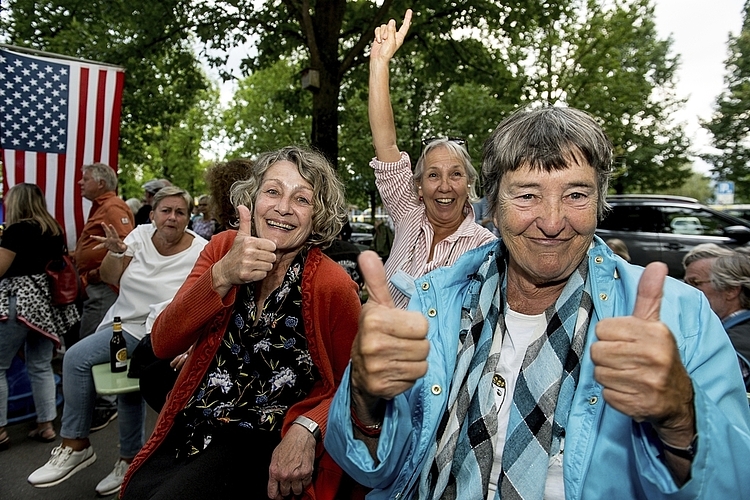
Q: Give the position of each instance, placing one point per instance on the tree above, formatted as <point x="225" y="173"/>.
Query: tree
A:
<point x="267" y="111"/>
<point x="331" y="37"/>
<point x="610" y="62"/>
<point x="163" y="79"/>
<point x="730" y="123"/>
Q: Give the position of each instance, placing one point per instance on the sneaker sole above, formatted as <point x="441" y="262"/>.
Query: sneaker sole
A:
<point x="108" y="492"/>
<point x="75" y="469"/>
<point x="105" y="424"/>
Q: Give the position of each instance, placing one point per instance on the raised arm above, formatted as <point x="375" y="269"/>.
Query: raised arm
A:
<point x="387" y="41"/>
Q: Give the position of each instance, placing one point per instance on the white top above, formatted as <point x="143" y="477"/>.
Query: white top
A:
<point x="522" y="331"/>
<point x="150" y="281"/>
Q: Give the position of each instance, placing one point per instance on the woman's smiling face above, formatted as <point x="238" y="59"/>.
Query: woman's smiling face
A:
<point x="444" y="188"/>
<point x="283" y="209"/>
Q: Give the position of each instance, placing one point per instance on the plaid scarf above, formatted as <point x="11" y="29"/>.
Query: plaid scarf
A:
<point x="463" y="453"/>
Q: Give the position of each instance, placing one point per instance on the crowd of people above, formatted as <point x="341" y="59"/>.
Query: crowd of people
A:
<point x="490" y="347"/>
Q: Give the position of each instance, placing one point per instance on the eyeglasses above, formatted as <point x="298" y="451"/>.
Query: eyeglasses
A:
<point x="696" y="283"/>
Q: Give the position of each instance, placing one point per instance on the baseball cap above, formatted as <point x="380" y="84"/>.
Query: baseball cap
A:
<point x="153" y="186"/>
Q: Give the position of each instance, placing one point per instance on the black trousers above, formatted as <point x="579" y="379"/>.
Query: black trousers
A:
<point x="234" y="465"/>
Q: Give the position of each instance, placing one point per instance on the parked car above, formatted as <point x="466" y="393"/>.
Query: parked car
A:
<point x="741" y="211"/>
<point x="665" y="228"/>
<point x="362" y="227"/>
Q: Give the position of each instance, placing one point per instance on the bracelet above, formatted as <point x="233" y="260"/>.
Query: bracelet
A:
<point x="686" y="453"/>
<point x="371" y="431"/>
<point x="117" y="255"/>
<point x="309" y="424"/>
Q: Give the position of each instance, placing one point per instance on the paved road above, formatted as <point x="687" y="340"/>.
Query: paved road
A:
<point x="26" y="455"/>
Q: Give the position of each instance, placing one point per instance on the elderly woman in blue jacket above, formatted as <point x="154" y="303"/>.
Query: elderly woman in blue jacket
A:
<point x="543" y="366"/>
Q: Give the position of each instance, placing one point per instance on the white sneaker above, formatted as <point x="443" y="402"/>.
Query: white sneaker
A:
<point x="63" y="463"/>
<point x="111" y="484"/>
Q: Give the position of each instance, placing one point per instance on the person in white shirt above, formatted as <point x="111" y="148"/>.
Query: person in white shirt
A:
<point x="149" y="266"/>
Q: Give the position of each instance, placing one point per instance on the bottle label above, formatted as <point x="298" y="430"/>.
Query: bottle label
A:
<point x="122" y="358"/>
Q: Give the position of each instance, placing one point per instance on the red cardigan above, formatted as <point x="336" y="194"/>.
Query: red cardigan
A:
<point x="197" y="315"/>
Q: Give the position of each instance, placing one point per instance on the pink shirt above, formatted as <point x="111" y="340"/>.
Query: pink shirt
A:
<point x="413" y="232"/>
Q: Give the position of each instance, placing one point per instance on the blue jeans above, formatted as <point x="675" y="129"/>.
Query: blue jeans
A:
<point x="100" y="299"/>
<point x="39" y="351"/>
<point x="80" y="393"/>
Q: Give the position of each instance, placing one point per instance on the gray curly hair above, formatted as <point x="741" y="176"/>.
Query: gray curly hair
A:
<point x="329" y="214"/>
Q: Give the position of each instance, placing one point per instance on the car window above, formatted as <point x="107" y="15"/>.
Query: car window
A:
<point x="633" y="218"/>
<point x="694" y="221"/>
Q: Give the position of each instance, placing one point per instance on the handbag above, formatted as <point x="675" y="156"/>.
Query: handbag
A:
<point x="65" y="284"/>
<point x="156" y="376"/>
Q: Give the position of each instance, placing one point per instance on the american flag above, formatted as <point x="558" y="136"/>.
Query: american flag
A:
<point x="57" y="115"/>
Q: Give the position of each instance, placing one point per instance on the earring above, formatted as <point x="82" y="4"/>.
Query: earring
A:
<point x="421" y="199"/>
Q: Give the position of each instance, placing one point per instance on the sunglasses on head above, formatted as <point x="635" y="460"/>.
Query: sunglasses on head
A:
<point x="458" y="140"/>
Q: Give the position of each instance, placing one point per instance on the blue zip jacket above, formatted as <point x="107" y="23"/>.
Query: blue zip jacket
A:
<point x="607" y="454"/>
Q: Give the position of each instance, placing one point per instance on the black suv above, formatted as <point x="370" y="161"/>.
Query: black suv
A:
<point x="665" y="228"/>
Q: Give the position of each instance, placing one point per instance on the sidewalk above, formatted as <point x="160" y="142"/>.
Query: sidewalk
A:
<point x="26" y="455"/>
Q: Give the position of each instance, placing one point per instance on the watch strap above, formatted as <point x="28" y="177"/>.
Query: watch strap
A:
<point x="687" y="453"/>
<point x="309" y="424"/>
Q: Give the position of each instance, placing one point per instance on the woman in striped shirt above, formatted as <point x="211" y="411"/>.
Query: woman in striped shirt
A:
<point x="431" y="208"/>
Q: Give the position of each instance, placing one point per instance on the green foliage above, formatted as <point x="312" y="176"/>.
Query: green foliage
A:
<point x="696" y="186"/>
<point x="163" y="80"/>
<point x="611" y="63"/>
<point x="730" y="123"/>
<point x="268" y="111"/>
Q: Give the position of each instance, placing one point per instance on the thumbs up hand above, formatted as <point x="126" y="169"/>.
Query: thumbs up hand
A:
<point x="250" y="258"/>
<point x="637" y="361"/>
<point x="390" y="351"/>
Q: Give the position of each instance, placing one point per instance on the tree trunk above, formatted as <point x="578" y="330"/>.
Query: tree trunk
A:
<point x="325" y="117"/>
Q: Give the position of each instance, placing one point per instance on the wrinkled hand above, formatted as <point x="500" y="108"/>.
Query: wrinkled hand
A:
<point x="637" y="361"/>
<point x="111" y="240"/>
<point x="250" y="258"/>
<point x="390" y="351"/>
<point x="387" y="40"/>
<point x="292" y="463"/>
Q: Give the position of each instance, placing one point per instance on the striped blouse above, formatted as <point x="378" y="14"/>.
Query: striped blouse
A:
<point x="414" y="232"/>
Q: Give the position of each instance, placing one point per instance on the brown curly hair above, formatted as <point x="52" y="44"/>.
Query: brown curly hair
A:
<point x="219" y="179"/>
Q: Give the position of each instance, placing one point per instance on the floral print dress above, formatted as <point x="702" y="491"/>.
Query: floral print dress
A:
<point x="259" y="371"/>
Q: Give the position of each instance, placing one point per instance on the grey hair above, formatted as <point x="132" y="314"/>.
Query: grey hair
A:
<point x="546" y="138"/>
<point x="733" y="270"/>
<point x="102" y="172"/>
<point x="457" y="150"/>
<point x="329" y="207"/>
<point x="168" y="191"/>
<point x="704" y="251"/>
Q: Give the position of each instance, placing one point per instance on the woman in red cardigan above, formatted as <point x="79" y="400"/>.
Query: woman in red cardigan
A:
<point x="268" y="321"/>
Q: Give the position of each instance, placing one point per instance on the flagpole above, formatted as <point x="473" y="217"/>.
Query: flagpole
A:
<point x="52" y="55"/>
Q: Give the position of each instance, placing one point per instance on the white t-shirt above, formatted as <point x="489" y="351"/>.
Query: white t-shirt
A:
<point x="522" y="330"/>
<point x="150" y="281"/>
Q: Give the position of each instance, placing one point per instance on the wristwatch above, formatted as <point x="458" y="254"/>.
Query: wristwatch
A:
<point x="686" y="453"/>
<point x="310" y="425"/>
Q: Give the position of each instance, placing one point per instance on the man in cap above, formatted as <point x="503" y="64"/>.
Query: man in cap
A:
<point x="143" y="216"/>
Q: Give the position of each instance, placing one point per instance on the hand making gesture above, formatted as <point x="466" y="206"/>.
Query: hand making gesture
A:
<point x="111" y="240"/>
<point x="390" y="351"/>
<point x="249" y="260"/>
<point x="637" y="361"/>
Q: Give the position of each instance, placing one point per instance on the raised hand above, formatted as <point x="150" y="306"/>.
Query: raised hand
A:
<point x="249" y="260"/>
<point x="390" y="351"/>
<point x="637" y="361"/>
<point x="387" y="40"/>
<point x="111" y="240"/>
